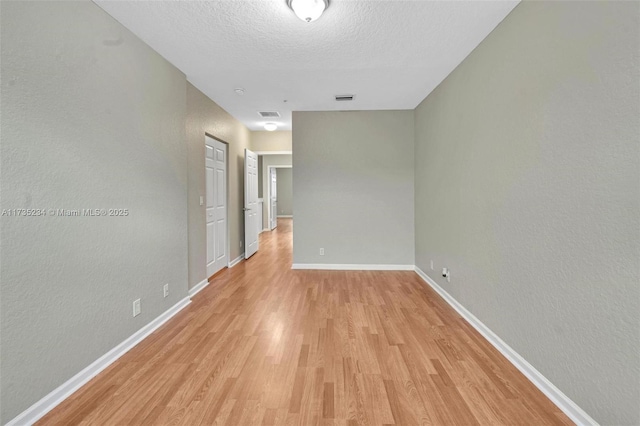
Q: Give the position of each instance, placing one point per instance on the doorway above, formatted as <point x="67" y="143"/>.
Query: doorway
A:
<point x="272" y="196"/>
<point x="216" y="189"/>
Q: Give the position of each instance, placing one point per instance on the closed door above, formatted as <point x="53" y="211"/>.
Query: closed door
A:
<point x="273" y="179"/>
<point x="250" y="203"/>
<point x="216" y="205"/>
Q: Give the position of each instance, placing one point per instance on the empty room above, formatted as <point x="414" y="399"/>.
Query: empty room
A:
<point x="319" y="212"/>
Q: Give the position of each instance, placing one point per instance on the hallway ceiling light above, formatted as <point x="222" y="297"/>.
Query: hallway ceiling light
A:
<point x="308" y="10"/>
<point x="270" y="127"/>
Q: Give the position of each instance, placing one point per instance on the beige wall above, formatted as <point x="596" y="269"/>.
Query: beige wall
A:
<point x="279" y="140"/>
<point x="353" y="187"/>
<point x="205" y="117"/>
<point x="528" y="189"/>
<point x="91" y="117"/>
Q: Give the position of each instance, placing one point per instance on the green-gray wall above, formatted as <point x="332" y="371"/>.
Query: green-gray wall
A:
<point x="91" y="118"/>
<point x="285" y="191"/>
<point x="353" y="190"/>
<point x="527" y="188"/>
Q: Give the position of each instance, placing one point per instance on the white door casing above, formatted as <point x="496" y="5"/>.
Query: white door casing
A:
<point x="273" y="202"/>
<point x="216" y="204"/>
<point x="250" y="203"/>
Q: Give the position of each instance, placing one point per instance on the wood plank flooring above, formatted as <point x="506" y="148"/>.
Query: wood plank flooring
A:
<point x="265" y="345"/>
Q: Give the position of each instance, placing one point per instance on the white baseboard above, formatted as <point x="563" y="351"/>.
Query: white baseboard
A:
<point x="235" y="261"/>
<point x="55" y="397"/>
<point x="562" y="401"/>
<point x="352" y="267"/>
<point x="285" y="216"/>
<point x="265" y="229"/>
<point x="198" y="287"/>
<point x="62" y="392"/>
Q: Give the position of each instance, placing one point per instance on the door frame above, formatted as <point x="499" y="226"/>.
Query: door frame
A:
<point x="269" y="191"/>
<point x="229" y="260"/>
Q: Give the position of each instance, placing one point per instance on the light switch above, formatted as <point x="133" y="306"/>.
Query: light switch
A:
<point x="201" y="200"/>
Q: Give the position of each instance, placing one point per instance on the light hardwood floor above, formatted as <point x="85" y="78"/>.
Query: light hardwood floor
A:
<point x="264" y="344"/>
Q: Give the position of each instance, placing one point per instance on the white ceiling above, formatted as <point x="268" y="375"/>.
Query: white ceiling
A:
<point x="390" y="54"/>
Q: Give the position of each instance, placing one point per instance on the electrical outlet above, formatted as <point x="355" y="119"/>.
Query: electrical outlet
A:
<point x="321" y="252"/>
<point x="432" y="265"/>
<point x="166" y="290"/>
<point x="136" y="307"/>
<point x="446" y="273"/>
<point x="201" y="200"/>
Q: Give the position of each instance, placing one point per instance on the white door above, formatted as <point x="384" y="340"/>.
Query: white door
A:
<point x="250" y="203"/>
<point x="216" y="205"/>
<point x="273" y="204"/>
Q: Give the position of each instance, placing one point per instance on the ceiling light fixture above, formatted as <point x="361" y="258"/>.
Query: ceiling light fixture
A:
<point x="308" y="10"/>
<point x="270" y="127"/>
<point x="239" y="91"/>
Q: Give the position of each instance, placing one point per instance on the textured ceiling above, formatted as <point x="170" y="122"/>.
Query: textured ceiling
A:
<point x="390" y="54"/>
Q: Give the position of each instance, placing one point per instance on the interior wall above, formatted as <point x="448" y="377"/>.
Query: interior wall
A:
<point x="527" y="188"/>
<point x="353" y="187"/>
<point x="205" y="117"/>
<point x="284" y="188"/>
<point x="279" y="140"/>
<point x="270" y="160"/>
<point x="91" y="118"/>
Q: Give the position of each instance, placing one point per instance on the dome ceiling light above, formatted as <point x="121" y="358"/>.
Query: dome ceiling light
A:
<point x="308" y="10"/>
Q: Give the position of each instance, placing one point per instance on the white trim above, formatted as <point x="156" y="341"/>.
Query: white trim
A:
<point x="285" y="215"/>
<point x="62" y="392"/>
<point x="570" y="408"/>
<point x="352" y="267"/>
<point x="198" y="287"/>
<point x="235" y="261"/>
<point x="265" y="229"/>
<point x="274" y="152"/>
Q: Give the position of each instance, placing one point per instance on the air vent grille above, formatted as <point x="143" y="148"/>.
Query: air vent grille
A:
<point x="269" y="114"/>
<point x="344" y="97"/>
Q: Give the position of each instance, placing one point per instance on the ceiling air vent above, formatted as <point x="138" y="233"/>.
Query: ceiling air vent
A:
<point x="344" y="97"/>
<point x="269" y="114"/>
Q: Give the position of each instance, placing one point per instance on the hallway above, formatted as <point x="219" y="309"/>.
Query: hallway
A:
<point x="264" y="344"/>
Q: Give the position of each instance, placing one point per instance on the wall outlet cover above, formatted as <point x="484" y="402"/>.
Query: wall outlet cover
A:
<point x="136" y="307"/>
